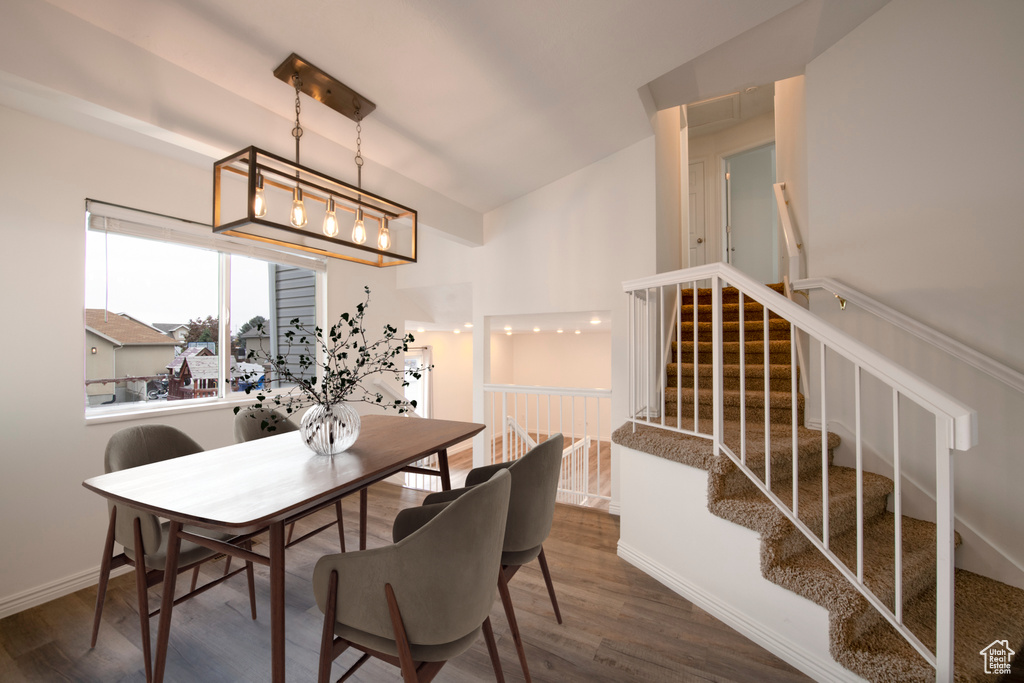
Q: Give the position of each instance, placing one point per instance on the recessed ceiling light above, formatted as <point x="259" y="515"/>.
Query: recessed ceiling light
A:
<point x="456" y="330"/>
<point x="508" y="327"/>
<point x="468" y="325"/>
<point x="420" y="329"/>
<point x="577" y="331"/>
<point x="536" y="329"/>
<point x="595" y="321"/>
<point x="509" y="333"/>
<point x="561" y="331"/>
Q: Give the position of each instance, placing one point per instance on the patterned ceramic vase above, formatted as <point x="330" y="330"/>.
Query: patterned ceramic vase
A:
<point x="329" y="430"/>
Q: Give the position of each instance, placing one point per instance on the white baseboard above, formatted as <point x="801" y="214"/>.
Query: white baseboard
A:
<point x="817" y="667"/>
<point x="53" y="590"/>
<point x="614" y="509"/>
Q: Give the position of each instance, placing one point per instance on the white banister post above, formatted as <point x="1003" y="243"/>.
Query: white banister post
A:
<point x="717" y="379"/>
<point x="944" y="570"/>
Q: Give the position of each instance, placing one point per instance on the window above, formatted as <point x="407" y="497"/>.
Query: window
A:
<point x="171" y="309"/>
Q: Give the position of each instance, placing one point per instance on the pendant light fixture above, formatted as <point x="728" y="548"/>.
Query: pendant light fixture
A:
<point x="251" y="189"/>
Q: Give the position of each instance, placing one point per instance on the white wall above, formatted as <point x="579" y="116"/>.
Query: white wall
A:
<point x="452" y="376"/>
<point x="56" y="526"/>
<point x="791" y="153"/>
<point x="915" y="156"/>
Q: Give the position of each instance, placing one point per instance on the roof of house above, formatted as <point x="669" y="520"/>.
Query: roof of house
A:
<point x="169" y="327"/>
<point x="122" y="329"/>
<point x="202" y="367"/>
<point x="188" y="353"/>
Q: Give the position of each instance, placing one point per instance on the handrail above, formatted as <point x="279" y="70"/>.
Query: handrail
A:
<point x="1005" y="374"/>
<point x="963" y="420"/>
<point x="793" y="244"/>
<point x="553" y="391"/>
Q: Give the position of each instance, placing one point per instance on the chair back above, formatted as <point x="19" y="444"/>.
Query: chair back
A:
<point x="249" y="424"/>
<point x="531" y="506"/>
<point x="132" y="447"/>
<point x="444" y="575"/>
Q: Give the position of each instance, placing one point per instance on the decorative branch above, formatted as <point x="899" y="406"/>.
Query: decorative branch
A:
<point x="348" y="359"/>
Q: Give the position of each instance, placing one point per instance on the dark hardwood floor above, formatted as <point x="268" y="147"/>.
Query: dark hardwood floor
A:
<point x="620" y="624"/>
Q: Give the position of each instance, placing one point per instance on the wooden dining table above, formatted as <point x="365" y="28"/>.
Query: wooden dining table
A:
<point x="263" y="484"/>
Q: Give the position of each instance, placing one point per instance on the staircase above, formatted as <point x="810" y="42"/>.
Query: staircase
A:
<point x="860" y="638"/>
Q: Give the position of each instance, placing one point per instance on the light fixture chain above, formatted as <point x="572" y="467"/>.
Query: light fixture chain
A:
<point x="297" y="130"/>
<point x="359" y="147"/>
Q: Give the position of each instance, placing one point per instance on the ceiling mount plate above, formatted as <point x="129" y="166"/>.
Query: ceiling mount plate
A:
<point x="324" y="88"/>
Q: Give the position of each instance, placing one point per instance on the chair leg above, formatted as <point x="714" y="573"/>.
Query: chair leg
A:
<point x="551" y="586"/>
<point x="506" y="601"/>
<point x="101" y="587"/>
<point x="327" y="637"/>
<point x="195" y="579"/>
<point x="341" y="526"/>
<point x="249" y="574"/>
<point x="142" y="588"/>
<point x="492" y="650"/>
<point x="291" y="529"/>
<point x="409" y="674"/>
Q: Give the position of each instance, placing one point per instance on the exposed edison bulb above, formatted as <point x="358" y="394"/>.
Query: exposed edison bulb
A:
<point x="330" y="219"/>
<point x="298" y="209"/>
<point x="359" y="228"/>
<point x="259" y="202"/>
<point x="384" y="236"/>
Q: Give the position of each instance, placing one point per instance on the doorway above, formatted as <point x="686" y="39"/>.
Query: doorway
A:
<point x="750" y="226"/>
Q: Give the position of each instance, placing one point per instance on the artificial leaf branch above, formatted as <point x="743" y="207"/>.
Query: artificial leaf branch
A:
<point x="347" y="358"/>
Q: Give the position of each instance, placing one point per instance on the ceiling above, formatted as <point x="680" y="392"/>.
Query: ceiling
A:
<point x="479" y="101"/>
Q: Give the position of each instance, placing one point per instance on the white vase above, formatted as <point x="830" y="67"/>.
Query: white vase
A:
<point x="329" y="430"/>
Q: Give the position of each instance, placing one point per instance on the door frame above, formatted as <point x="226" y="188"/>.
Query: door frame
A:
<point x="719" y="189"/>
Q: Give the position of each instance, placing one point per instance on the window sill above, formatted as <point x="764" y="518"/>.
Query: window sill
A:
<point x="97" y="415"/>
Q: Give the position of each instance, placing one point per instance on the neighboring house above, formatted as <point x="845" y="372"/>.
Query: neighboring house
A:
<point x="175" y="331"/>
<point x="254" y="340"/>
<point x="119" y="346"/>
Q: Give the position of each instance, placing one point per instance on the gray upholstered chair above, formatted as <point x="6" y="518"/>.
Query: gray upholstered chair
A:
<point x="257" y="423"/>
<point x="144" y="535"/>
<point x="531" y="509"/>
<point x="424" y="599"/>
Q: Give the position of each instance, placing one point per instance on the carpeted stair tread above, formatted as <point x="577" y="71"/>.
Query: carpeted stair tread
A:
<point x="762" y="515"/>
<point x="986" y="610"/>
<point x="780" y="404"/>
<point x="780" y="376"/>
<point x="778" y="328"/>
<point x="729" y="294"/>
<point x="730" y="311"/>
<point x="753" y="352"/>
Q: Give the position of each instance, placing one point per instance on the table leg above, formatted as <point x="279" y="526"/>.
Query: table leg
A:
<point x="276" y="553"/>
<point x="167" y="603"/>
<point x="363" y="493"/>
<point x="442" y="464"/>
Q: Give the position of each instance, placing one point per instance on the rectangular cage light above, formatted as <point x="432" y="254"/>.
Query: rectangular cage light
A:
<point x="251" y="177"/>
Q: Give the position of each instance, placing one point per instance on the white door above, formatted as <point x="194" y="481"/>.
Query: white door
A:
<point x="751" y="241"/>
<point x="696" y="221"/>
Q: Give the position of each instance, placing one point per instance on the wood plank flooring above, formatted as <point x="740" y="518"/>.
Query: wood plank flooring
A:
<point x="620" y="624"/>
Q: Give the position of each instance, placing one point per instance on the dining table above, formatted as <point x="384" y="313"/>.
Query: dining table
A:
<point x="261" y="486"/>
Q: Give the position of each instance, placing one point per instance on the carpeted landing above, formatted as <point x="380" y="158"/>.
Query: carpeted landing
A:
<point x="859" y="637"/>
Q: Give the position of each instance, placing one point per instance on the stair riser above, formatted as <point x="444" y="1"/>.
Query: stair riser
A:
<point x="732" y="334"/>
<point x="730" y="312"/>
<point x="729" y="294"/>
<point x="753" y="356"/>
<point x="755" y="414"/>
<point x="734" y="483"/>
<point x="730" y="383"/>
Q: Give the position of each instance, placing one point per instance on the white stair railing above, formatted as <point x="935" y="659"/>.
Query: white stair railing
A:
<point x="953" y="424"/>
<point x="519" y="417"/>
